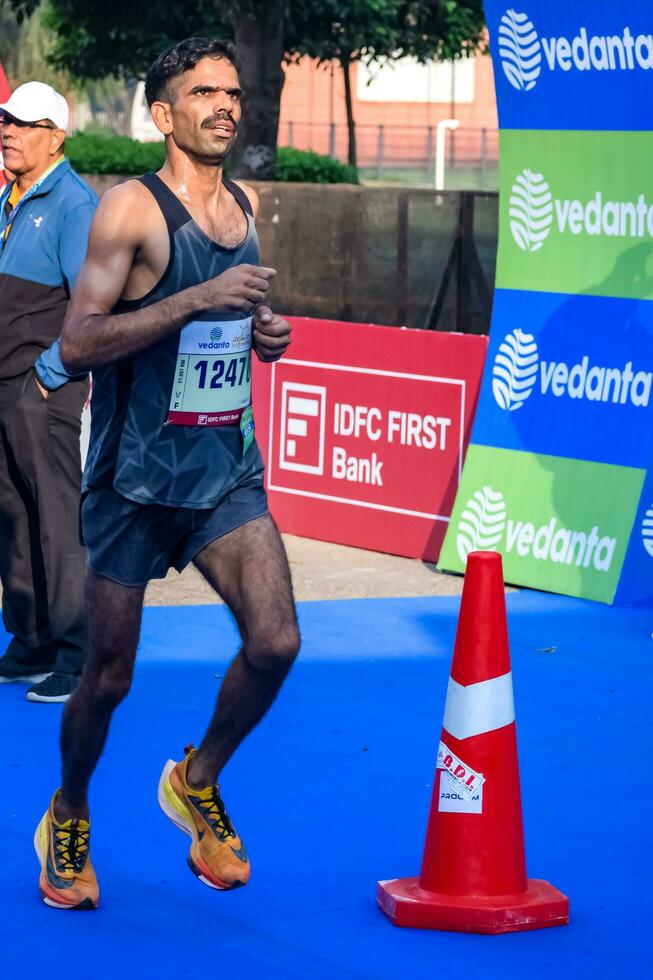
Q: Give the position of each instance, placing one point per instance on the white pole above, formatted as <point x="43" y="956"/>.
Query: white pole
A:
<point x="440" y="140"/>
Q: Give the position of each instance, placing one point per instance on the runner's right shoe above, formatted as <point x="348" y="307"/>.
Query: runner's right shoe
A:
<point x="67" y="878"/>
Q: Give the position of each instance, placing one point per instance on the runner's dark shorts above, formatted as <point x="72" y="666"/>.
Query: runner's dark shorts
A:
<point x="132" y="543"/>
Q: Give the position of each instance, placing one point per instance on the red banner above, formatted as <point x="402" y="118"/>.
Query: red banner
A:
<point x="5" y="92"/>
<point x="364" y="431"/>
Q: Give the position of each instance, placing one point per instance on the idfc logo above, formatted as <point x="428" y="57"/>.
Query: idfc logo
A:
<point x="524" y="53"/>
<point x="533" y="212"/>
<point x="302" y="428"/>
<point x="518" y="370"/>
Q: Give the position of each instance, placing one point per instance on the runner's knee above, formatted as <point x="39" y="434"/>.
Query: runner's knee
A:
<point x="273" y="651"/>
<point x="111" y="684"/>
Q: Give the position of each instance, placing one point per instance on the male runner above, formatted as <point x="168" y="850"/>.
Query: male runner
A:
<point x="166" y="309"/>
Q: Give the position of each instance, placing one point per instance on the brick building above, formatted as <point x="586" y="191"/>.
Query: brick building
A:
<point x="396" y="109"/>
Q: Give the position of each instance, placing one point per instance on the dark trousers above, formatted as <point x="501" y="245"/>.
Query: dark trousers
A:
<point x="42" y="563"/>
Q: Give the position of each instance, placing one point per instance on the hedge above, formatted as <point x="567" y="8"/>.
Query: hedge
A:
<point x="95" y="154"/>
<point x="304" y="166"/>
<point x="113" y="154"/>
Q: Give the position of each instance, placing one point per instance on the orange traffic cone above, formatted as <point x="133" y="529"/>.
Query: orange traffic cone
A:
<point x="473" y="876"/>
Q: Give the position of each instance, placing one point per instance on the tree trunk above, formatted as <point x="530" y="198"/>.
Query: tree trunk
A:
<point x="351" y="125"/>
<point x="259" y="36"/>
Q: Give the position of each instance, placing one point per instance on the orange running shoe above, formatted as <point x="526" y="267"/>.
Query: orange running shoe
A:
<point x="67" y="879"/>
<point x="217" y="855"/>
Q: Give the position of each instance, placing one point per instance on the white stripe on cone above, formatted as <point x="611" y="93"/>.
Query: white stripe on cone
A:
<point x="478" y="708"/>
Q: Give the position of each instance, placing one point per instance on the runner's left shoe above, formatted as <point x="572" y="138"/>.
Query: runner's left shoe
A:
<point x="217" y="855"/>
<point x="67" y="879"/>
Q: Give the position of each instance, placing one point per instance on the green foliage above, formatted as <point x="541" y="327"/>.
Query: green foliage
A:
<point x="304" y="166"/>
<point x="384" y="30"/>
<point x="341" y="29"/>
<point x="94" y="154"/>
<point x="123" y="37"/>
<point x="26" y="48"/>
<point x="442" y="29"/>
<point x="96" y="38"/>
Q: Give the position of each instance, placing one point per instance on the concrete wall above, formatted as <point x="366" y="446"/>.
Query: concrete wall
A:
<point x="386" y="255"/>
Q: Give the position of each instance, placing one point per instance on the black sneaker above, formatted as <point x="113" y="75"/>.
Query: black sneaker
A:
<point x="12" y="670"/>
<point x="56" y="688"/>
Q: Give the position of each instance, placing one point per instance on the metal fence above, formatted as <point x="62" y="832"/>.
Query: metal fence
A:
<point x="405" y="154"/>
<point x="384" y="254"/>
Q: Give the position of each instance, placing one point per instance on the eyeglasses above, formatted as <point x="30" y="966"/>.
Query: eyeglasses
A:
<point x="7" y="120"/>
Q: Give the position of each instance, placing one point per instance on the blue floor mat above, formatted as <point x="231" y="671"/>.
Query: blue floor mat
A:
<point x="331" y="793"/>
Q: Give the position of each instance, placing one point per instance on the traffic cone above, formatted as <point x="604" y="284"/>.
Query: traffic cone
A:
<point x="473" y="876"/>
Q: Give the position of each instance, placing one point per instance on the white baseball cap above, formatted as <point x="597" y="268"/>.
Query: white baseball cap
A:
<point x="36" y="100"/>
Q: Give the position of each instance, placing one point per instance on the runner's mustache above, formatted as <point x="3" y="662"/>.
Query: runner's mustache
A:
<point x="221" y="117"/>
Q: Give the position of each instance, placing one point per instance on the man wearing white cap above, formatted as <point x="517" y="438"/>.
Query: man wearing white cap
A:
<point x="45" y="216"/>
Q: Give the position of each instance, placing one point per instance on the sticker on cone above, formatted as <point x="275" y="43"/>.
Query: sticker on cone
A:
<point x="467" y="780"/>
<point x="450" y="800"/>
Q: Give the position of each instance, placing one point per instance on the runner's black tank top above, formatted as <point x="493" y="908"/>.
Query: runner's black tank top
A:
<point x="131" y="449"/>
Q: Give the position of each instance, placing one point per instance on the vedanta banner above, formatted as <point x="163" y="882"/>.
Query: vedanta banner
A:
<point x="558" y="473"/>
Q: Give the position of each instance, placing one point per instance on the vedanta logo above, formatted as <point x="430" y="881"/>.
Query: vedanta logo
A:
<point x="518" y="367"/>
<point x="530" y="210"/>
<point x="647" y="531"/>
<point x="519" y="50"/>
<point x="484" y="525"/>
<point x="533" y="211"/>
<point x="515" y="370"/>
<point x="523" y="53"/>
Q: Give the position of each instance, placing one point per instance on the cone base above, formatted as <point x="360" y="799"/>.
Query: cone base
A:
<point x="406" y="904"/>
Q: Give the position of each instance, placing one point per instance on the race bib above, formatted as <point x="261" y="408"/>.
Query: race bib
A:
<point x="213" y="374"/>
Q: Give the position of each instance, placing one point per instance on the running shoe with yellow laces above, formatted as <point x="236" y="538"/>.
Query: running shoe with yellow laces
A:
<point x="217" y="855"/>
<point x="67" y="878"/>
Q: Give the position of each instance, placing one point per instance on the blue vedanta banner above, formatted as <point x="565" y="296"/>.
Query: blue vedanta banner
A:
<point x="558" y="474"/>
<point x="569" y="376"/>
<point x="573" y="65"/>
<point x="635" y="582"/>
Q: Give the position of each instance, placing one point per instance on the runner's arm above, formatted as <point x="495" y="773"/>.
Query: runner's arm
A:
<point x="93" y="337"/>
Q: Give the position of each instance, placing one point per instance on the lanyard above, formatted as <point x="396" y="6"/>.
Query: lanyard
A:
<point x="26" y="197"/>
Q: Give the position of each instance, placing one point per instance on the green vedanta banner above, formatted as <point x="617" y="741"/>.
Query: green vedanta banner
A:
<point x="552" y="535"/>
<point x="579" y="214"/>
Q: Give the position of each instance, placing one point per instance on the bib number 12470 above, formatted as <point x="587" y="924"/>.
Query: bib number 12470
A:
<point x="213" y="374"/>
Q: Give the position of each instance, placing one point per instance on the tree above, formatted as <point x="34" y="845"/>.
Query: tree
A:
<point x="344" y="31"/>
<point x="96" y="38"/>
<point x="25" y="48"/>
<point x="99" y="38"/>
<point x="258" y="27"/>
<point x="380" y="31"/>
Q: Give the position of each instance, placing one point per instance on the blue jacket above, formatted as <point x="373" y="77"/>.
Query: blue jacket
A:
<point x="39" y="263"/>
